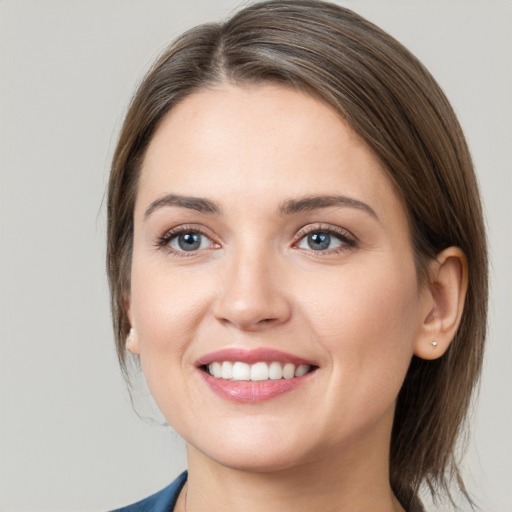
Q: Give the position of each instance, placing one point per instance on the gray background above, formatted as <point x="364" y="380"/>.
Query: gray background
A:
<point x="69" y="440"/>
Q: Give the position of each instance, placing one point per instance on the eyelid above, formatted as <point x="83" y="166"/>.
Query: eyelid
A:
<point x="349" y="239"/>
<point x="345" y="236"/>
<point x="164" y="240"/>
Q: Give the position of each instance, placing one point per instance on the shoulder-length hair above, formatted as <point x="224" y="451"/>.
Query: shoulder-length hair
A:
<point x="390" y="100"/>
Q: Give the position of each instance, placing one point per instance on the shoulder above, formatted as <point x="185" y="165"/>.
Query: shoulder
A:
<point x="161" y="501"/>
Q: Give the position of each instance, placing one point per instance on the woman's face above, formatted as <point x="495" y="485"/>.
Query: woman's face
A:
<point x="267" y="232"/>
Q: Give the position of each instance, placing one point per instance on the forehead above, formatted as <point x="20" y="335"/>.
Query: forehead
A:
<point x="264" y="141"/>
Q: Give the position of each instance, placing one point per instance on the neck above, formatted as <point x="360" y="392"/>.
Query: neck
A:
<point x="333" y="483"/>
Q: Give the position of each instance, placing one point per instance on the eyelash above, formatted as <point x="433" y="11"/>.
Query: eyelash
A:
<point x="165" y="240"/>
<point x="348" y="241"/>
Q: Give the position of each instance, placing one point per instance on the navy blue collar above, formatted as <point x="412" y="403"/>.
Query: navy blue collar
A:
<point x="161" y="501"/>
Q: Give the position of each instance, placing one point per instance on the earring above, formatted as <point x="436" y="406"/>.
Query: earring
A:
<point x="130" y="335"/>
<point x="434" y="343"/>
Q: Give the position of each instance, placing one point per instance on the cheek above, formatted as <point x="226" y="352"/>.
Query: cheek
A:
<point x="367" y="320"/>
<point x="166" y="309"/>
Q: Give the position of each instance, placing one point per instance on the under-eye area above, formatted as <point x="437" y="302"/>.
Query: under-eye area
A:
<point x="260" y="371"/>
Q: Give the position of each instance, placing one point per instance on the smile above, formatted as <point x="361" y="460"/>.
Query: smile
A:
<point x="257" y="375"/>
<point x="260" y="371"/>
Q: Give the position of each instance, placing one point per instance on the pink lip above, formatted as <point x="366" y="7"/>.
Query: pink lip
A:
<point x="251" y="356"/>
<point x="251" y="391"/>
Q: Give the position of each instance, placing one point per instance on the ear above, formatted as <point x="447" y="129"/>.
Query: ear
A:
<point x="132" y="340"/>
<point x="446" y="292"/>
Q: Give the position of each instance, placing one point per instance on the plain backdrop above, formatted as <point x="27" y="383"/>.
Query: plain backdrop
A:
<point x="69" y="439"/>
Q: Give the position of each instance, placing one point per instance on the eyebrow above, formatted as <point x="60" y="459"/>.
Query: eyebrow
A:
<point x="309" y="203"/>
<point x="288" y="207"/>
<point x="193" y="203"/>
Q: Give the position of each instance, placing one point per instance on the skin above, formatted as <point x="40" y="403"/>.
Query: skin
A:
<point x="355" y="309"/>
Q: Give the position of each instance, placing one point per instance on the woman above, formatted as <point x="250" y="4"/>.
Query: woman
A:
<point x="297" y="255"/>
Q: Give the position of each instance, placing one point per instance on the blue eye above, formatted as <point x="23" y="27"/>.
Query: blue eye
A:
<point x="323" y="241"/>
<point x="190" y="241"/>
<point x="319" y="241"/>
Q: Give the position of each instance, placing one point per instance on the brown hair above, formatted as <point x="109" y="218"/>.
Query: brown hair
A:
<point x="394" y="104"/>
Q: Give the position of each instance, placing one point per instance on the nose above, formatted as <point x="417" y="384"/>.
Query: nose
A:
<point x="252" y="295"/>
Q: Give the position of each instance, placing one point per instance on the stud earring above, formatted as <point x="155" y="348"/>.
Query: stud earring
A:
<point x="434" y="343"/>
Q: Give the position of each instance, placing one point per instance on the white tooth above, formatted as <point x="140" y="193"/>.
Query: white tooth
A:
<point x="289" y="371"/>
<point x="241" y="371"/>
<point x="259" y="371"/>
<point x="227" y="370"/>
<point x="275" y="371"/>
<point x="301" y="370"/>
<point x="215" y="370"/>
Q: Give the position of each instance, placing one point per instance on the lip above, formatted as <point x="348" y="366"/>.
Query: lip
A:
<point x="252" y="391"/>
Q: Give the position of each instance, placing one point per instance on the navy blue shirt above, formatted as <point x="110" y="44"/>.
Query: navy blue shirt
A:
<point x="162" y="501"/>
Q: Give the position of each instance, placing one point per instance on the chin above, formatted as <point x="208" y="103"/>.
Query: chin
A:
<point x="262" y="450"/>
<point x="256" y="460"/>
